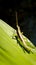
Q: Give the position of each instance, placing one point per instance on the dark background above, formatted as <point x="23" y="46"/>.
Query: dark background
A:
<point x="26" y="15"/>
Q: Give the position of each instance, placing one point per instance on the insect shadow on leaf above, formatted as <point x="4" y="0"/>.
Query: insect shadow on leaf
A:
<point x="21" y="45"/>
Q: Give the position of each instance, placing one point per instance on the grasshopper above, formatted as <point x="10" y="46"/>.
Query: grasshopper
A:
<point x="21" y="36"/>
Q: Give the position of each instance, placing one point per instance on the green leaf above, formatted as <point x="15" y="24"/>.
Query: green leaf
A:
<point x="11" y="53"/>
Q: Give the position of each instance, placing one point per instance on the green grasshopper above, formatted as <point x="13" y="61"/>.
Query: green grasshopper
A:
<point x="20" y="35"/>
